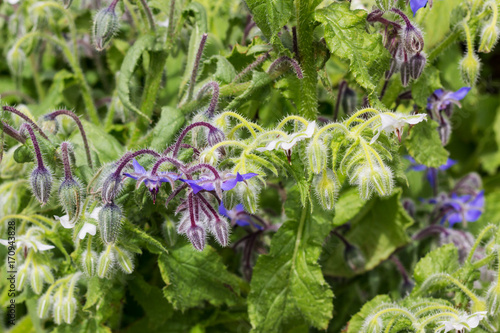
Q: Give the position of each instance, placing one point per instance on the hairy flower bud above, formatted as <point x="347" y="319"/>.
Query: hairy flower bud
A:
<point x="469" y="67"/>
<point x="110" y="223"/>
<point x="22" y="276"/>
<point x="70" y="197"/>
<point x="405" y="73"/>
<point x="385" y="5"/>
<point x="16" y="60"/>
<point x="210" y="156"/>
<point x="58" y="311"/>
<point x="220" y="230"/>
<point x="371" y="178"/>
<point x="49" y="125"/>
<point x="41" y="184"/>
<point x="105" y="27"/>
<point x="354" y="258"/>
<point x="196" y="236"/>
<point x="36" y="279"/>
<point x="417" y="65"/>
<point x="111" y="187"/>
<point x="106" y="263"/>
<point x="317" y="154"/>
<point x="493" y="300"/>
<point x="89" y="259"/>
<point x="412" y="39"/>
<point x="249" y="196"/>
<point x="326" y="186"/>
<point x="489" y="37"/>
<point x="393" y="67"/>
<point x="69" y="309"/>
<point x="215" y="136"/>
<point x="124" y="259"/>
<point x="43" y="307"/>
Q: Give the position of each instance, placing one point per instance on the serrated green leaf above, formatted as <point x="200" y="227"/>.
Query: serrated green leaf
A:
<point x="167" y="127"/>
<point x="423" y="88"/>
<point x="271" y="15"/>
<point x="442" y="260"/>
<point x="287" y="284"/>
<point x="424" y="144"/>
<point x="223" y="71"/>
<point x="193" y="277"/>
<point x="356" y="322"/>
<point x="347" y="38"/>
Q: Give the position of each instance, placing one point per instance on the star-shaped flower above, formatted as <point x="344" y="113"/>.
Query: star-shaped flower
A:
<point x="287" y="143"/>
<point x="28" y="241"/>
<point x="441" y="99"/>
<point x="394" y="122"/>
<point x="238" y="216"/>
<point x="208" y="184"/>
<point x="462" y="322"/>
<point x="431" y="173"/>
<point x="87" y="228"/>
<point x="464" y="208"/>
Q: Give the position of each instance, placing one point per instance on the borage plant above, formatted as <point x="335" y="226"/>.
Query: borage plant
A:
<point x="230" y="166"/>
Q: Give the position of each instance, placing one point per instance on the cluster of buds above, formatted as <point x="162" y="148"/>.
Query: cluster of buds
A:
<point x="405" y="43"/>
<point x="59" y="300"/>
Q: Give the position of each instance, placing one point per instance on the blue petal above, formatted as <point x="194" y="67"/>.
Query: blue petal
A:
<point x="478" y="201"/>
<point x="249" y="175"/>
<point x="473" y="215"/>
<point x="229" y="184"/>
<point x="416" y="5"/>
<point x="454" y="218"/>
<point x="432" y="176"/>
<point x="239" y="208"/>
<point x="131" y="175"/>
<point x="242" y="223"/>
<point x="192" y="183"/>
<point x="137" y="167"/>
<point x="222" y="209"/>
<point x="449" y="163"/>
<point x="417" y="167"/>
<point x="460" y="93"/>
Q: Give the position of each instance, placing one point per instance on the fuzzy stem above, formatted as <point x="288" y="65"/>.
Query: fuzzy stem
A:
<point x="210" y="208"/>
<point x="174" y="193"/>
<point x="25" y="118"/>
<point x="162" y="160"/>
<point x="149" y="14"/>
<point x="76" y="119"/>
<point x="183" y="145"/>
<point x="129" y="156"/>
<point x="294" y="64"/>
<point x="215" y="96"/>
<point x="194" y="73"/>
<point x="186" y="131"/>
<point x="170" y="31"/>
<point x="201" y="166"/>
<point x="342" y="88"/>
<point x="251" y="67"/>
<point x="10" y="131"/>
<point x="403" y="16"/>
<point x="191" y="212"/>
<point x="36" y="147"/>
<point x="478" y="241"/>
<point x="65" y="158"/>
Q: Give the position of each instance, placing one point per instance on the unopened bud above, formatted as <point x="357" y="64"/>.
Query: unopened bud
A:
<point x="493" y="300"/>
<point x="220" y="230"/>
<point x="111" y="187"/>
<point x="196" y="236"/>
<point x="372" y="177"/>
<point x="70" y="197"/>
<point x="410" y="207"/>
<point x="215" y="136"/>
<point x="210" y="156"/>
<point x="354" y="258"/>
<point x="124" y="260"/>
<point x="89" y="259"/>
<point x="489" y="37"/>
<point x="47" y="274"/>
<point x="41" y="184"/>
<point x="49" y="125"/>
<point x="110" y="223"/>
<point x="105" y="27"/>
<point x="417" y="65"/>
<point x="469" y="67"/>
<point x="44" y="306"/>
<point x="58" y="311"/>
<point x="105" y="264"/>
<point x="69" y="309"/>
<point x="412" y="39"/>
<point x="16" y="60"/>
<point x="385" y="5"/>
<point x="327" y="186"/>
<point x="22" y="276"/>
<point x="36" y="279"/>
<point x="249" y="196"/>
<point x="170" y="232"/>
<point x="317" y="154"/>
<point x="393" y="67"/>
<point x="405" y="73"/>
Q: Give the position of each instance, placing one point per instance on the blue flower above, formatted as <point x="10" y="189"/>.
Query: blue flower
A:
<point x="464" y="208"/>
<point x="416" y="5"/>
<point x="238" y="216"/>
<point x="441" y="99"/>
<point x="208" y="184"/>
<point x="153" y="183"/>
<point x="431" y="173"/>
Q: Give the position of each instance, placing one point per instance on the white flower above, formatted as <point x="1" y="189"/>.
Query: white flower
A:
<point x="463" y="322"/>
<point x="29" y="242"/>
<point x="88" y="228"/>
<point x="394" y="122"/>
<point x="13" y="2"/>
<point x="288" y="142"/>
<point x="65" y="221"/>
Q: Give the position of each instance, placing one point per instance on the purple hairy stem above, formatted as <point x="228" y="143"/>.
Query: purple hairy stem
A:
<point x="191" y="210"/>
<point x="208" y="206"/>
<point x="164" y="159"/>
<point x="248" y="28"/>
<point x="113" y="5"/>
<point x="196" y="65"/>
<point x="251" y="67"/>
<point x="65" y="158"/>
<point x="36" y="147"/>
<point x="186" y="131"/>
<point x="183" y="145"/>
<point x="342" y="88"/>
<point x="403" y="16"/>
<point x="201" y="166"/>
<point x="129" y="156"/>
<point x="55" y="114"/>
<point x="215" y="96"/>
<point x="12" y="132"/>
<point x="400" y="268"/>
<point x="25" y="118"/>
<point x="430" y="230"/>
<point x="174" y="193"/>
<point x="295" y="65"/>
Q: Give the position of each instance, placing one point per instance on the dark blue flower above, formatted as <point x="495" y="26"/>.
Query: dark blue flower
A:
<point x="441" y="99"/>
<point x="238" y="216"/>
<point x="431" y="173"/>
<point x="464" y="208"/>
<point x="208" y="184"/>
<point x="153" y="183"/>
<point x="416" y="5"/>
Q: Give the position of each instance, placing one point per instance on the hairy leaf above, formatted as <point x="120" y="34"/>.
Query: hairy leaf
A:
<point x="425" y="146"/>
<point x="167" y="128"/>
<point x="356" y="322"/>
<point x="271" y="15"/>
<point x="442" y="260"/>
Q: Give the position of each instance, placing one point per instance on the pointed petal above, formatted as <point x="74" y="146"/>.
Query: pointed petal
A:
<point x="460" y="93"/>
<point x="229" y="184"/>
<point x="416" y="5"/>
<point x="137" y="167"/>
<point x="88" y="228"/>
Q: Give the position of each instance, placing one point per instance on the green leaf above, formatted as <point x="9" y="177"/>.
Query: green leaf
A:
<point x="423" y="88"/>
<point x="424" y="144"/>
<point x="166" y="129"/>
<point x="193" y="277"/>
<point x="223" y="71"/>
<point x="356" y="322"/>
<point x="442" y="260"/>
<point x="287" y="285"/>
<point x="377" y="230"/>
<point x="347" y="38"/>
<point x="348" y="206"/>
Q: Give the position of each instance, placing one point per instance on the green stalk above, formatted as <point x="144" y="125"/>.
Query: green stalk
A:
<point x="309" y="98"/>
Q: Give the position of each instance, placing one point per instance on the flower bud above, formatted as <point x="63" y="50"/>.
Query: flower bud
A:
<point x="70" y="197"/>
<point x="69" y="309"/>
<point x="44" y="306"/>
<point x="417" y="65"/>
<point x="16" y="60"/>
<point x="111" y="187"/>
<point x="354" y="258"/>
<point x="47" y="274"/>
<point x="469" y="67"/>
<point x="489" y="37"/>
<point x="41" y="184"/>
<point x="372" y="177"/>
<point x="405" y="73"/>
<point x="36" y="279"/>
<point x="385" y="5"/>
<point x="22" y="276"/>
<point x="349" y="101"/>
<point x="412" y="39"/>
<point x="220" y="230"/>
<point x="210" y="156"/>
<point x="317" y="154"/>
<point x="49" y="125"/>
<point x="196" y="236"/>
<point x="327" y="187"/>
<point x="249" y="196"/>
<point x="493" y="300"/>
<point x="392" y="69"/>
<point x="409" y="207"/>
<point x="124" y="260"/>
<point x="215" y="136"/>
<point x="106" y="263"/>
<point x="105" y="27"/>
<point x="110" y="223"/>
<point x="89" y="259"/>
<point x="58" y="311"/>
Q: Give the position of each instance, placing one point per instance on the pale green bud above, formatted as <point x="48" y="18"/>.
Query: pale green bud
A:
<point x="36" y="279"/>
<point x="170" y="232"/>
<point x="70" y="197"/>
<point x="249" y="196"/>
<point x="47" y="274"/>
<point x="44" y="306"/>
<point x="69" y="309"/>
<point x="489" y="37"/>
<point x="16" y="60"/>
<point x="58" y="311"/>
<point x="370" y="178"/>
<point x="105" y="27"/>
<point x="124" y="259"/>
<point x="327" y="186"/>
<point x="110" y="223"/>
<point x="89" y="261"/>
<point x="22" y="276"/>
<point x="470" y="67"/>
<point x="210" y="156"/>
<point x="106" y="263"/>
<point x="317" y="154"/>
<point x="493" y="300"/>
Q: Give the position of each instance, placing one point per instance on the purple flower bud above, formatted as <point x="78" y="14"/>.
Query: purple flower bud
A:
<point x="412" y="38"/>
<point x="444" y="130"/>
<point x="405" y="73"/>
<point x="196" y="236"/>
<point x="110" y="223"/>
<point x="111" y="187"/>
<point x="417" y="65"/>
<point x="392" y="69"/>
<point x="41" y="184"/>
<point x="215" y="136"/>
<point x="221" y="232"/>
<point x="410" y="207"/>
